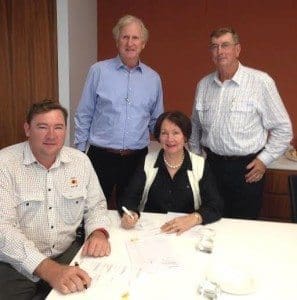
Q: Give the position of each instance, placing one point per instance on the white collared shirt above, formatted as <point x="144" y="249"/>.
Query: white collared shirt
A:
<point x="41" y="209"/>
<point x="240" y="116"/>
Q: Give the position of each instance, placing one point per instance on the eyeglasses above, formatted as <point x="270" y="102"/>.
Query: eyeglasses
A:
<point x="223" y="46"/>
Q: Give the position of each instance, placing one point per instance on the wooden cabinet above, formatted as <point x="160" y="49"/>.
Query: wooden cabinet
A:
<point x="276" y="201"/>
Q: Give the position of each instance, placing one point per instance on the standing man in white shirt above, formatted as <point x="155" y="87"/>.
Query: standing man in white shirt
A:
<point x="239" y="120"/>
<point x="46" y="189"/>
<point x="120" y="104"/>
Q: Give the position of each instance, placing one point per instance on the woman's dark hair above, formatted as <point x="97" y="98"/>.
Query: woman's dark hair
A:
<point x="176" y="117"/>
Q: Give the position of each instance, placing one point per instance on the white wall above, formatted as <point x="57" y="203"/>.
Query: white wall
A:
<point x="77" y="51"/>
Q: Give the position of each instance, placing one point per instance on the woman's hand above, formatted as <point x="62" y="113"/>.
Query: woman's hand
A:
<point x="181" y="224"/>
<point x="128" y="222"/>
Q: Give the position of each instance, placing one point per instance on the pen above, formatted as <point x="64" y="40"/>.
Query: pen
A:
<point x="127" y="212"/>
<point x="76" y="264"/>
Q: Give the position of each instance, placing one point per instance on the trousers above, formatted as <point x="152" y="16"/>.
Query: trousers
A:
<point x="115" y="170"/>
<point x="15" y="286"/>
<point x="241" y="199"/>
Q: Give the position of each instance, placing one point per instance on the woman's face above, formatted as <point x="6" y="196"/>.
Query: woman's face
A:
<point x="171" y="138"/>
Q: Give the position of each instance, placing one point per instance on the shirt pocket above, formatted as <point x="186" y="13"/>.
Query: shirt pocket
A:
<point x="243" y="107"/>
<point x="73" y="206"/>
<point x="241" y="114"/>
<point x="205" y="114"/>
<point x="28" y="208"/>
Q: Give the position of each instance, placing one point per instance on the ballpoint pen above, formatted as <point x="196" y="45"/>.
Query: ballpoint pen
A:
<point x="128" y="212"/>
<point x="76" y="264"/>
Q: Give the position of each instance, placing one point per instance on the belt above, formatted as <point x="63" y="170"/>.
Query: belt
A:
<point x="121" y="152"/>
<point x="213" y="155"/>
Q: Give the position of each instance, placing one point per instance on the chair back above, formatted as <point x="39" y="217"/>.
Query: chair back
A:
<point x="293" y="196"/>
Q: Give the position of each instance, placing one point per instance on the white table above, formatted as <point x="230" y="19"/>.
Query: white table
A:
<point x="267" y="249"/>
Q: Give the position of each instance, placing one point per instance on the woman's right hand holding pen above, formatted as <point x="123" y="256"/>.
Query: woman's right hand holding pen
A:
<point x="129" y="218"/>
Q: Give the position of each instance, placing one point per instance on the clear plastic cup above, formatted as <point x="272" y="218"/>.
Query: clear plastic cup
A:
<point x="209" y="290"/>
<point x="205" y="240"/>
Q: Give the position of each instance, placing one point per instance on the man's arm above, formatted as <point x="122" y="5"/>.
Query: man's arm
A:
<point x="15" y="248"/>
<point x="158" y="109"/>
<point x="63" y="278"/>
<point x="95" y="216"/>
<point x="276" y="120"/>
<point x="85" y="111"/>
<point x="194" y="142"/>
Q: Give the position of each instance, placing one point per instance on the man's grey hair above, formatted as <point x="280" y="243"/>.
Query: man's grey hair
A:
<point x="126" y="20"/>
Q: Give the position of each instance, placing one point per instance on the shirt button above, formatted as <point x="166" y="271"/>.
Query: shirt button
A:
<point x="49" y="190"/>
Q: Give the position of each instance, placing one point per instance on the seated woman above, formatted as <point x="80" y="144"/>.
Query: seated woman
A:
<point x="173" y="179"/>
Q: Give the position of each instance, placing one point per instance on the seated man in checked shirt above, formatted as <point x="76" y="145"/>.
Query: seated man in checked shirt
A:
<point x="46" y="189"/>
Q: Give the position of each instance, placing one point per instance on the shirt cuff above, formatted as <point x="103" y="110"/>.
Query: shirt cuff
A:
<point x="32" y="261"/>
<point x="265" y="158"/>
<point x="104" y="231"/>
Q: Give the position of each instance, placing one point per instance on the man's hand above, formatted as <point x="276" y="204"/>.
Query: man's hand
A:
<point x="96" y="245"/>
<point x="257" y="170"/>
<point x="63" y="278"/>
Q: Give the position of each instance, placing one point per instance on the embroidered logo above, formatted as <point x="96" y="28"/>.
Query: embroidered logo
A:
<point x="73" y="182"/>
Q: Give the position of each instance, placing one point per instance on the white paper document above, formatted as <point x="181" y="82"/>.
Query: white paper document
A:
<point x="109" y="280"/>
<point x="153" y="254"/>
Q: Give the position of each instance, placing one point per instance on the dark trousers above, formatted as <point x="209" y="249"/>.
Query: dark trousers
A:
<point x="114" y="170"/>
<point x="241" y="199"/>
<point x="15" y="286"/>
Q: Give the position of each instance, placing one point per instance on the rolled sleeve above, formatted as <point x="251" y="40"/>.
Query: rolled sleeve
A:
<point x="96" y="213"/>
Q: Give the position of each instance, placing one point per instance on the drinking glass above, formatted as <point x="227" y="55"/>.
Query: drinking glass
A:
<point x="208" y="290"/>
<point x="205" y="241"/>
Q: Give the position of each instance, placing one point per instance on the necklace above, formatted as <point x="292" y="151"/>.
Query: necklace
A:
<point x="173" y="166"/>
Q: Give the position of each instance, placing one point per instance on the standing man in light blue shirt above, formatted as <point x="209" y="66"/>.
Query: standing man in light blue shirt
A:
<point x="120" y="104"/>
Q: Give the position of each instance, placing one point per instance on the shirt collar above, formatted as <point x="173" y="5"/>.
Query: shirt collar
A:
<point x="120" y="64"/>
<point x="187" y="164"/>
<point x="29" y="157"/>
<point x="237" y="77"/>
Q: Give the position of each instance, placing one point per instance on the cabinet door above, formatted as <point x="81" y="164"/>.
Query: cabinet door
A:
<point x="276" y="200"/>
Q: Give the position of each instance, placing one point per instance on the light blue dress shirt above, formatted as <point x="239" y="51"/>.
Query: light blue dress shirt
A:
<point x="119" y="106"/>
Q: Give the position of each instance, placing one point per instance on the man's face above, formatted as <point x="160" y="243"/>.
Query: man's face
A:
<point x="46" y="135"/>
<point x="224" y="51"/>
<point x="130" y="44"/>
